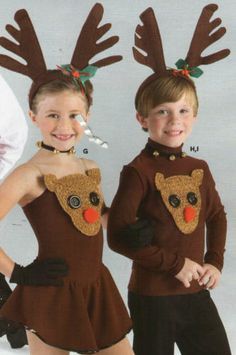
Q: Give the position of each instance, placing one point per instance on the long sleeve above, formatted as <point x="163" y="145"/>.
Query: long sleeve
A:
<point x="124" y="210"/>
<point x="13" y="129"/>
<point x="215" y="225"/>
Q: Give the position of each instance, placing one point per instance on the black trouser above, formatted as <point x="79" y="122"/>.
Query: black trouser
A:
<point x="191" y="321"/>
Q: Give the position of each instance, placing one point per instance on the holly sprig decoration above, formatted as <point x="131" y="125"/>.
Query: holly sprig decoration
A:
<point x="184" y="69"/>
<point x="78" y="76"/>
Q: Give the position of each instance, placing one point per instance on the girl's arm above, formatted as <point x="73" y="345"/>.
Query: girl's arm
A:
<point x="6" y="264"/>
<point x="20" y="186"/>
<point x="12" y="190"/>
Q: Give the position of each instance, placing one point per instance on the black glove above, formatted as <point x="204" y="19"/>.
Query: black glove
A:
<point x="5" y="290"/>
<point x="47" y="272"/>
<point x="139" y="234"/>
<point x="17" y="337"/>
<point x="16" y="334"/>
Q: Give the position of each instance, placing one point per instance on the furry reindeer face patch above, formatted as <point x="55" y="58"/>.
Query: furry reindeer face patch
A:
<point x="80" y="198"/>
<point x="182" y="198"/>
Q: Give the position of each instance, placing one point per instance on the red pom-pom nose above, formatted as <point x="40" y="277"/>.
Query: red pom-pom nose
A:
<point x="189" y="214"/>
<point x="91" y="215"/>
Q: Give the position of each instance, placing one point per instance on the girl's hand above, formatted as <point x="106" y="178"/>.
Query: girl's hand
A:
<point x="190" y="271"/>
<point x="47" y="272"/>
<point x="211" y="276"/>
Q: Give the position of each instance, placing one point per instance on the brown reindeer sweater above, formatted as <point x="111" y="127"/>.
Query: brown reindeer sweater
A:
<point x="178" y="193"/>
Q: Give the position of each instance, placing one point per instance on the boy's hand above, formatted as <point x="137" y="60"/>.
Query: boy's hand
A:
<point x="211" y="276"/>
<point x="139" y="234"/>
<point x="190" y="271"/>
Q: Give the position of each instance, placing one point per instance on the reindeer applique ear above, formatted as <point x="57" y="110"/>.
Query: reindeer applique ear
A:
<point x="95" y="175"/>
<point x="197" y="176"/>
<point x="50" y="181"/>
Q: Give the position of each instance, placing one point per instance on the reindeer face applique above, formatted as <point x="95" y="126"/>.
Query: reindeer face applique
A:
<point x="80" y="198"/>
<point x="182" y="198"/>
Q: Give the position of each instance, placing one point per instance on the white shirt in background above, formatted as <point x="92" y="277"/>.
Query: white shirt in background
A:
<point x="13" y="129"/>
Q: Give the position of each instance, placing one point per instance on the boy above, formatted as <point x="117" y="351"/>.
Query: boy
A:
<point x="163" y="204"/>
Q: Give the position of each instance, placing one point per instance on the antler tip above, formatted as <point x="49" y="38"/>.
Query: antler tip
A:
<point x="115" y="39"/>
<point x="98" y="7"/>
<point x="98" y="4"/>
<point x="227" y="52"/>
<point x="212" y="7"/>
<point x="20" y="13"/>
<point x="118" y="58"/>
<point x="149" y="11"/>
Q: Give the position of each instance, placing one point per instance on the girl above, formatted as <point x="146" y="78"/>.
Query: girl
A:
<point x="66" y="298"/>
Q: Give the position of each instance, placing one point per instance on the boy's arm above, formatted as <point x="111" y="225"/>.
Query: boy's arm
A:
<point x="123" y="212"/>
<point x="216" y="225"/>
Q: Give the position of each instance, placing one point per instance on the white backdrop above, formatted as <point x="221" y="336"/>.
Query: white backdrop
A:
<point x="57" y="23"/>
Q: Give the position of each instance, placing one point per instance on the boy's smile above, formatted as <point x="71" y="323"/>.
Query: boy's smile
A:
<point x="169" y="123"/>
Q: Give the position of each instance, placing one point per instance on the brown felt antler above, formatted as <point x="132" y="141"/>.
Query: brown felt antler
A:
<point x="148" y="39"/>
<point x="203" y="38"/>
<point x="87" y="46"/>
<point x="28" y="47"/>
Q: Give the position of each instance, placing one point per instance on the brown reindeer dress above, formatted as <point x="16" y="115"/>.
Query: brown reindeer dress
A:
<point x="87" y="313"/>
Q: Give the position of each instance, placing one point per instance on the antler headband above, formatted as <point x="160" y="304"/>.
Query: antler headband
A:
<point x="29" y="50"/>
<point x="148" y="39"/>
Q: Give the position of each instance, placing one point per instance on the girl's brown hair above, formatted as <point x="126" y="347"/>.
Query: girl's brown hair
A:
<point x="57" y="86"/>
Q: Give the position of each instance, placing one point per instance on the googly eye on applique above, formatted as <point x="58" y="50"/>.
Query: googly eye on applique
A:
<point x="174" y="201"/>
<point x="192" y="198"/>
<point x="74" y="201"/>
<point x="94" y="198"/>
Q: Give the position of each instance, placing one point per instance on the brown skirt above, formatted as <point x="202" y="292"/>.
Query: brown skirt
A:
<point x="74" y="318"/>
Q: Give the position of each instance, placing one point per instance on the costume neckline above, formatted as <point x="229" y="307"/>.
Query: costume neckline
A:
<point x="46" y="189"/>
<point x="159" y="150"/>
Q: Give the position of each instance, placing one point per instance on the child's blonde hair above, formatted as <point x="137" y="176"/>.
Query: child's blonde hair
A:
<point x="165" y="89"/>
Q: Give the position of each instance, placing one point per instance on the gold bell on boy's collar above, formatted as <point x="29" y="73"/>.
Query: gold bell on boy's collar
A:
<point x="172" y="157"/>
<point x="155" y="153"/>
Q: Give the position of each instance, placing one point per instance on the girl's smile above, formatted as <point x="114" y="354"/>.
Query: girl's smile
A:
<point x="56" y="118"/>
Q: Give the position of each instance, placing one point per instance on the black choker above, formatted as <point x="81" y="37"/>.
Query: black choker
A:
<point x="54" y="150"/>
